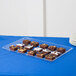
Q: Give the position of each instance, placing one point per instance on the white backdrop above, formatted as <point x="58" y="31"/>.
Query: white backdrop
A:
<point x="60" y="17"/>
<point x="34" y="9"/>
<point x="25" y="17"/>
<point x="13" y="17"/>
<point x="21" y="17"/>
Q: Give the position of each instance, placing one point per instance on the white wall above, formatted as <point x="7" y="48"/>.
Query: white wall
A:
<point x="13" y="17"/>
<point x="34" y="11"/>
<point x="21" y="17"/>
<point x="26" y="17"/>
<point x="60" y="17"/>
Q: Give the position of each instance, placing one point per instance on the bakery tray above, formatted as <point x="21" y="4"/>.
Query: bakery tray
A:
<point x="40" y="42"/>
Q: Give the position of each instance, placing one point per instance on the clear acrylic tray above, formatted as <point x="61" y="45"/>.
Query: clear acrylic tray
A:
<point x="40" y="42"/>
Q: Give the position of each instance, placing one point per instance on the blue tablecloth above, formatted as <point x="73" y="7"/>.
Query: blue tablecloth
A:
<point x="18" y="64"/>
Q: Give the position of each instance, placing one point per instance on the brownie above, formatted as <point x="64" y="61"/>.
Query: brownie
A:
<point x="13" y="48"/>
<point x="52" y="48"/>
<point x="56" y="53"/>
<point x="43" y="53"/>
<point x="44" y="46"/>
<point x="28" y="47"/>
<point x="22" y="50"/>
<point x="46" y="51"/>
<point x="20" y="45"/>
<point x="35" y="44"/>
<point x="26" y="42"/>
<point x="37" y="49"/>
<point x="32" y="53"/>
<point x="61" y="50"/>
<point x="50" y="57"/>
<point x="40" y="55"/>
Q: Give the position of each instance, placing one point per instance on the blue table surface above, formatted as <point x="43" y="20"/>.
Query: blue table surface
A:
<point x="17" y="64"/>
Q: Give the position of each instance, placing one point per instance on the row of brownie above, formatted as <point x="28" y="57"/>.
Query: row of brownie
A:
<point x="39" y="52"/>
<point x="35" y="44"/>
<point x="44" y="46"/>
<point x="48" y="56"/>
